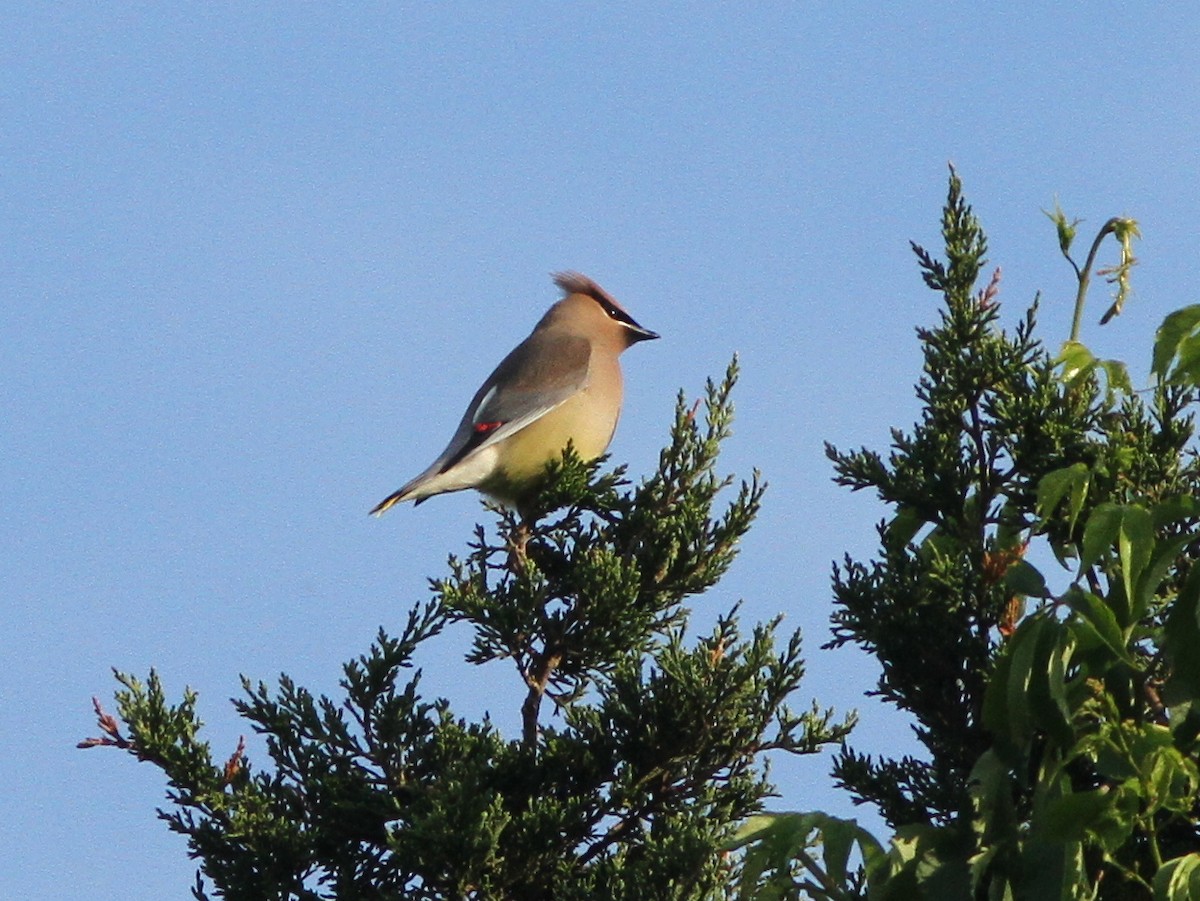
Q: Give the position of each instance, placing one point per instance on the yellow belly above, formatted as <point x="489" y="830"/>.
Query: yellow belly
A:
<point x="581" y="420"/>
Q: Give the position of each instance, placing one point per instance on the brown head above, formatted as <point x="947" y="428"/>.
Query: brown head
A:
<point x="590" y="311"/>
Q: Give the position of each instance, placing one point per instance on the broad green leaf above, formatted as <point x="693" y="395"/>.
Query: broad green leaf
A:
<point x="1178" y="879"/>
<point x="1135" y="544"/>
<point x="981" y="867"/>
<point x="927" y="863"/>
<point x="1170" y="334"/>
<point x="1109" y="748"/>
<point x="1052" y="869"/>
<point x="1116" y="376"/>
<point x="1028" y="688"/>
<point x="1114" y="831"/>
<point x="1076" y="361"/>
<point x="1046" y="694"/>
<point x="1022" y="577"/>
<point x="1071" y="481"/>
<point x="838" y="837"/>
<point x="904" y="525"/>
<point x="775" y="841"/>
<point x="752" y="829"/>
<point x="1099" y="618"/>
<point x="1065" y="553"/>
<point x="1023" y="647"/>
<point x="1104" y="816"/>
<point x="1079" y="492"/>
<point x="1187" y="370"/>
<point x="991" y="787"/>
<point x="1100" y="533"/>
<point x="1172" y="777"/>
<point x="1166" y="556"/>
<point x="1058" y="718"/>
<point x="1069" y="818"/>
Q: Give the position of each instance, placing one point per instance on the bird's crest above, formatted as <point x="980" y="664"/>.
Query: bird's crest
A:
<point x="578" y="283"/>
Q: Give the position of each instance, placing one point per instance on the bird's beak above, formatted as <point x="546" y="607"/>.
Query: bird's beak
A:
<point x="637" y="333"/>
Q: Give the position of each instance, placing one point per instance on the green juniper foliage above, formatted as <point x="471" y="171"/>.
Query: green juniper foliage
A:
<point x="640" y="747"/>
<point x="994" y="420"/>
<point x="1060" y="727"/>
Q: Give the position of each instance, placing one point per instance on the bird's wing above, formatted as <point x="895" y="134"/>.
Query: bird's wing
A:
<point x="540" y="374"/>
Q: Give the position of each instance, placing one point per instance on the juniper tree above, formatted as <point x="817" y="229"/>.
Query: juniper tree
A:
<point x="641" y="745"/>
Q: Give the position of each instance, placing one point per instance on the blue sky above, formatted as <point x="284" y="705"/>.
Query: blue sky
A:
<point x="256" y="258"/>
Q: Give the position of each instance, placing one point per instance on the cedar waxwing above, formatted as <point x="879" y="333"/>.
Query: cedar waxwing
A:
<point x="562" y="383"/>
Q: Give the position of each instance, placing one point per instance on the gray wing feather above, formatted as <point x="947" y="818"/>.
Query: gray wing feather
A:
<point x="540" y="374"/>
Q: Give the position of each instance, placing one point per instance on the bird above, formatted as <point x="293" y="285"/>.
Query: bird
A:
<point x="560" y="385"/>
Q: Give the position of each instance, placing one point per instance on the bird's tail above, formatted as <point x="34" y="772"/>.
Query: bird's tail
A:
<point x="387" y="503"/>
